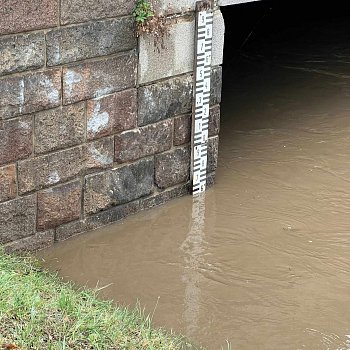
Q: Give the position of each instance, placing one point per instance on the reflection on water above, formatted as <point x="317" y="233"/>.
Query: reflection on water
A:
<point x="192" y="248"/>
<point x="263" y="259"/>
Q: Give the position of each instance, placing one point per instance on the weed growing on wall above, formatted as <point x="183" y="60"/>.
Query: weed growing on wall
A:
<point x="150" y="23"/>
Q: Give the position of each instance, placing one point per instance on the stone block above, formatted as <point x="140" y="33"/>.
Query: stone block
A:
<point x="164" y="196"/>
<point x="175" y="59"/>
<point x="88" y="40"/>
<point x="178" y="55"/>
<point x="59" y="205"/>
<point x="97" y="220"/>
<point x="17" y="219"/>
<point x="182" y="129"/>
<point x="165" y="99"/>
<point x="31" y="92"/>
<point x="59" y="128"/>
<point x="112" y="214"/>
<point x="8" y="183"/>
<point x="218" y="38"/>
<point x="216" y="85"/>
<point x="76" y="11"/>
<point x="64" y="165"/>
<point x="49" y="170"/>
<point x="143" y="142"/>
<point x="39" y="241"/>
<point x="171" y="6"/>
<point x="118" y="186"/>
<point x="71" y="229"/>
<point x="112" y="114"/>
<point x="16" y="140"/>
<point x="214" y="121"/>
<point x="98" y="78"/>
<point x="22" y="52"/>
<point x="213" y="154"/>
<point x="172" y="168"/>
<point x="24" y="15"/>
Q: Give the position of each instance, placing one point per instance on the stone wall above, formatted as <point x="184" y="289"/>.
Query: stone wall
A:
<point x="94" y="124"/>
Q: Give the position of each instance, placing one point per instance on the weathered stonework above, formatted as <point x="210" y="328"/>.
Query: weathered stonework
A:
<point x="165" y="99"/>
<point x="59" y="128"/>
<point x="112" y="114"/>
<point x="23" y="15"/>
<point x="29" y="93"/>
<point x="95" y="39"/>
<point x="95" y="124"/>
<point x="64" y="165"/>
<point x="213" y="152"/>
<point x="16" y="139"/>
<point x="214" y="120"/>
<point x="17" y="219"/>
<point x="38" y="241"/>
<point x="22" y="52"/>
<point x="59" y="205"/>
<point x="8" y="183"/>
<point x="173" y="167"/>
<point x="143" y="142"/>
<point x="216" y="85"/>
<point x="119" y="186"/>
<point x="98" y="78"/>
<point x="76" y="11"/>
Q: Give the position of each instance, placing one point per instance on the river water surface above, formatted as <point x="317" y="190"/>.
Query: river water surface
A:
<point x="263" y="259"/>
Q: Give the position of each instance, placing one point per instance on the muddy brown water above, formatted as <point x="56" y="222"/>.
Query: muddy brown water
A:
<point x="264" y="259"/>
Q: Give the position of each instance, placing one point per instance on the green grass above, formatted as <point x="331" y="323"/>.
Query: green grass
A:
<point x="39" y="311"/>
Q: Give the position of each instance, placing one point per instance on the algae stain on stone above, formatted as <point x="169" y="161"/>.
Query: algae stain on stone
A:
<point x="98" y="121"/>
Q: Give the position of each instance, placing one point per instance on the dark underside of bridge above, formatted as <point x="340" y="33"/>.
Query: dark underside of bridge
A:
<point x="261" y="34"/>
<point x="258" y="19"/>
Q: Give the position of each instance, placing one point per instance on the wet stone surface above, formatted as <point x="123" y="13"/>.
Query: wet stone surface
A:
<point x="173" y="167"/>
<point x="143" y="142"/>
<point x="119" y="186"/>
<point x="165" y="99"/>
<point x="17" y="219"/>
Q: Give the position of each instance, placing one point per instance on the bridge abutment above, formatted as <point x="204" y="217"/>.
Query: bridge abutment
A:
<point x="95" y="124"/>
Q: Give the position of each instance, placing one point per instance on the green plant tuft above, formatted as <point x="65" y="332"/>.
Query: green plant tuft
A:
<point x="142" y="11"/>
<point x="151" y="24"/>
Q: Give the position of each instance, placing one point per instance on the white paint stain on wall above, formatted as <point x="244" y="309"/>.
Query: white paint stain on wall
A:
<point x="24" y="125"/>
<point x="101" y="158"/>
<point x="52" y="93"/>
<point x="21" y="95"/>
<point x="70" y="79"/>
<point x="98" y="120"/>
<point x="53" y="178"/>
<point x="102" y="92"/>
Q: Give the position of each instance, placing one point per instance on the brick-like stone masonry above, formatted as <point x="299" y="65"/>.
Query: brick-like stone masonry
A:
<point x="82" y="143"/>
